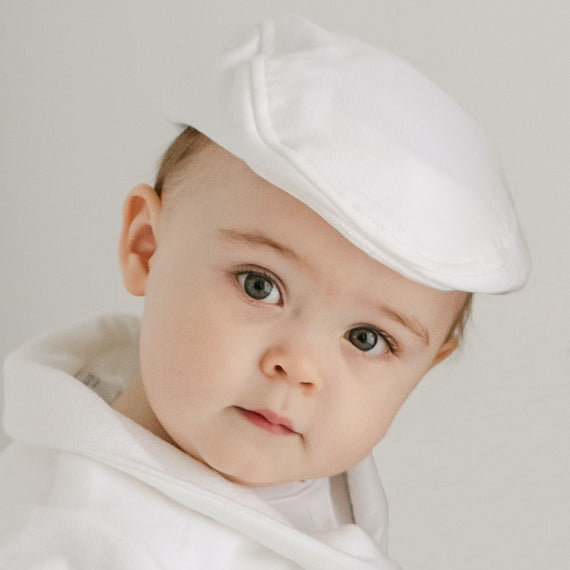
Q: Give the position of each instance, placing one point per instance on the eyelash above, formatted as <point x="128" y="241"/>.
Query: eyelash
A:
<point x="390" y="341"/>
<point x="260" y="272"/>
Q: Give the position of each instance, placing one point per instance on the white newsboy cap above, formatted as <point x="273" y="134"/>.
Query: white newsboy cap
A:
<point x="369" y="144"/>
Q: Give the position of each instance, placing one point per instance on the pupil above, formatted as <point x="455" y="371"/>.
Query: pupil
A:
<point x="363" y="339"/>
<point x="257" y="287"/>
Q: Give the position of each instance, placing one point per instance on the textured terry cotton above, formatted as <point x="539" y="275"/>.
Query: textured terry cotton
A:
<point x="368" y="143"/>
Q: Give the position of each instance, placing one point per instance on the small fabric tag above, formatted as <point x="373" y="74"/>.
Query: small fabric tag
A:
<point x="105" y="390"/>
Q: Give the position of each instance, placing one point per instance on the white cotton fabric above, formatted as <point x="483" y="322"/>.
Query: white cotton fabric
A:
<point x="367" y="142"/>
<point x="311" y="505"/>
<point x="82" y="486"/>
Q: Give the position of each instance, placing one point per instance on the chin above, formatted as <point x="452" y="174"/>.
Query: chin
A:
<point x="250" y="476"/>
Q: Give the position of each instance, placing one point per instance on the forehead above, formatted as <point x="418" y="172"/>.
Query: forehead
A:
<point x="223" y="192"/>
<point x="224" y="188"/>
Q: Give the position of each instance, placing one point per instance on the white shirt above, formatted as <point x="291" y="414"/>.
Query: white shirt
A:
<point x="313" y="505"/>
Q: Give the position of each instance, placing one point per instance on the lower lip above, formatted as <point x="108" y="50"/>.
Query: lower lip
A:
<point x="259" y="421"/>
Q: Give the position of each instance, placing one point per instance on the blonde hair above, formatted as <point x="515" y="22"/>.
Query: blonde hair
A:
<point x="184" y="147"/>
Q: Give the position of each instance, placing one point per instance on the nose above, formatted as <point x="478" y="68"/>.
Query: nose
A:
<point x="294" y="364"/>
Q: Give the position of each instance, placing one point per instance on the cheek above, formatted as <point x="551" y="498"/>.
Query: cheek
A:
<point x="193" y="352"/>
<point x="362" y="418"/>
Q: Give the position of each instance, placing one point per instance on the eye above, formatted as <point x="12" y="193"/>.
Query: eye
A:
<point x="368" y="340"/>
<point x="260" y="287"/>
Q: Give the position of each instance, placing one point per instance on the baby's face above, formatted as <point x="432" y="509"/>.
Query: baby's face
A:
<point x="272" y="349"/>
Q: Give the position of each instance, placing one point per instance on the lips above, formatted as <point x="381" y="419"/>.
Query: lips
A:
<point x="269" y="421"/>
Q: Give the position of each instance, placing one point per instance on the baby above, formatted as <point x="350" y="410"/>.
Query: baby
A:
<point x="308" y="252"/>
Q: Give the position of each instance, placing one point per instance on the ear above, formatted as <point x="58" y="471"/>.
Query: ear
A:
<point x="138" y="241"/>
<point x="445" y="350"/>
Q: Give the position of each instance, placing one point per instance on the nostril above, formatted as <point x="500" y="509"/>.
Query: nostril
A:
<point x="308" y="388"/>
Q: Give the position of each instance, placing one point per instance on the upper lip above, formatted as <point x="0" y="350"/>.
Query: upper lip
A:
<point x="275" y="419"/>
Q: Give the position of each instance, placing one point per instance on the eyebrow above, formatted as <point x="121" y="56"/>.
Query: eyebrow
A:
<point x="412" y="325"/>
<point x="258" y="239"/>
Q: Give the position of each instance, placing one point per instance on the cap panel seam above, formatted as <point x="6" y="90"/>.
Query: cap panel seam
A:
<point x="269" y="136"/>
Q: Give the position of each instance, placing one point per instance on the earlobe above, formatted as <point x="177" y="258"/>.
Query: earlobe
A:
<point x="446" y="349"/>
<point x="138" y="241"/>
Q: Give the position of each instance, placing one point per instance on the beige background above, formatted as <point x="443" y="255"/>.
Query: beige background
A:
<point x="477" y="465"/>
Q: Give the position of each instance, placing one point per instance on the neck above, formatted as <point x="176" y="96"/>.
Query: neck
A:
<point x="134" y="404"/>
